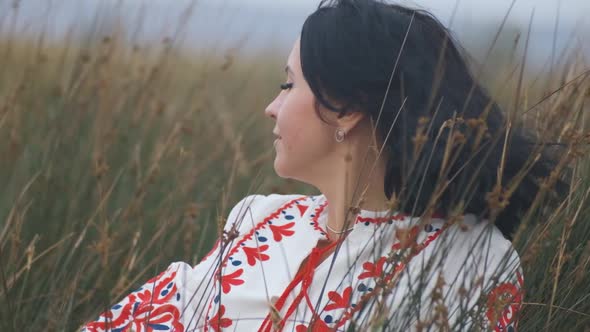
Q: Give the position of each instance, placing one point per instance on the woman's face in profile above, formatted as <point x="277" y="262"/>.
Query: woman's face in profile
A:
<point x="305" y="142"/>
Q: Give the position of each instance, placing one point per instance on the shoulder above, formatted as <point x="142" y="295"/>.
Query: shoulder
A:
<point x="477" y="249"/>
<point x="477" y="261"/>
<point x="250" y="209"/>
<point x="479" y="237"/>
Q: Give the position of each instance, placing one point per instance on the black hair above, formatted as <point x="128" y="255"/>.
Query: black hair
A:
<point x="433" y="105"/>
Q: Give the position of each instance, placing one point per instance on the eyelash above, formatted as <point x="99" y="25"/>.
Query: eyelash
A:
<point x="286" y="86"/>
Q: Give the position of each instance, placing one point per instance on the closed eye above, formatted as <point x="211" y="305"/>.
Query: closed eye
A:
<point x="286" y="86"/>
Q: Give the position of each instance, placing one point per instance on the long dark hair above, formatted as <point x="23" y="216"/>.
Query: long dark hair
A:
<point x="433" y="106"/>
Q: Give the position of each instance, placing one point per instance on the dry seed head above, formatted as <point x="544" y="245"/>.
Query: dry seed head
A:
<point x="230" y="235"/>
<point x="474" y="122"/>
<point x="423" y="121"/>
<point x="100" y="167"/>
<point x="275" y="315"/>
<point x="458" y="138"/>
<point x="419" y="140"/>
<point x="192" y="211"/>
<point x="85" y="57"/>
<point x="463" y="293"/>
<point x="354" y="210"/>
<point x="229" y="60"/>
<point x="393" y="202"/>
<point x="407" y="237"/>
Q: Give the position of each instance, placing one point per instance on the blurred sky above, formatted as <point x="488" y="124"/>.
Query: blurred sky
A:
<point x="276" y="23"/>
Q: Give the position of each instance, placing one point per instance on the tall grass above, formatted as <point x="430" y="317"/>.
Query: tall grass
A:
<point x="118" y="158"/>
<point x="114" y="163"/>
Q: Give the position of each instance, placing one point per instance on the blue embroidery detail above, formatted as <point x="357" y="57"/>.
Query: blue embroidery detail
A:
<point x="177" y="296"/>
<point x="159" y="327"/>
<point x="236" y="263"/>
<point x="288" y="217"/>
<point x="164" y="292"/>
<point x="170" y="285"/>
<point x="262" y="239"/>
<point x="216" y="299"/>
<point x="328" y="319"/>
<point x="367" y="223"/>
<point x="428" y="228"/>
<point x="362" y="288"/>
<point x="116" y="306"/>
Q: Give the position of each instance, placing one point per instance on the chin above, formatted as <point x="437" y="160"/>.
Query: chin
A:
<point x="278" y="169"/>
<point x="281" y="170"/>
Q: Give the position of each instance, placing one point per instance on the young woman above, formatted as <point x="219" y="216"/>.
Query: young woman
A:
<point x="411" y="230"/>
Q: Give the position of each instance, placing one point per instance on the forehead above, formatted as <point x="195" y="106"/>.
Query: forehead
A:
<point x="293" y="59"/>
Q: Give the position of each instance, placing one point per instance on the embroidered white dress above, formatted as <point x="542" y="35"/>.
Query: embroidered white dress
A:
<point x="392" y="272"/>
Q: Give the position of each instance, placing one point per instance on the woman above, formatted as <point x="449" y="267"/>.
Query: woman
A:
<point x="380" y="113"/>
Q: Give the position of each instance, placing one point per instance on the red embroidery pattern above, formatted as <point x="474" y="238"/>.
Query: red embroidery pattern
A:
<point x="317" y="326"/>
<point x="395" y="217"/>
<point x="504" y="302"/>
<point x="279" y="231"/>
<point x="339" y="301"/>
<point x="229" y="280"/>
<point x="147" y="309"/>
<point x="261" y="225"/>
<point x="316" y="215"/>
<point x="218" y="322"/>
<point x="254" y="254"/>
<point x="302" y="208"/>
<point x="407" y="238"/>
<point x="373" y="270"/>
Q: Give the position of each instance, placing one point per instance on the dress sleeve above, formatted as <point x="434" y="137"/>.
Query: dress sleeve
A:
<point x="469" y="279"/>
<point x="499" y="305"/>
<point x="495" y="290"/>
<point x="175" y="299"/>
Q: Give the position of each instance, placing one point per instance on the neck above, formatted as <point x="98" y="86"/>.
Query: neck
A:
<point x="356" y="186"/>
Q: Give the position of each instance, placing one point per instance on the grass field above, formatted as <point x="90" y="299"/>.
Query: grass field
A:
<point x="117" y="159"/>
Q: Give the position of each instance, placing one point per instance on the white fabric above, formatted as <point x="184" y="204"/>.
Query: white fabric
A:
<point x="467" y="268"/>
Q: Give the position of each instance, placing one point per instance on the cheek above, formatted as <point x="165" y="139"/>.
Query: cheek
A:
<point x="297" y="121"/>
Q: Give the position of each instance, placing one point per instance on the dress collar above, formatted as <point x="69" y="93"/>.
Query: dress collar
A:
<point x="366" y="217"/>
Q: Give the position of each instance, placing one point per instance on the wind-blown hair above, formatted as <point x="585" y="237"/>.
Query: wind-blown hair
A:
<point x="444" y="127"/>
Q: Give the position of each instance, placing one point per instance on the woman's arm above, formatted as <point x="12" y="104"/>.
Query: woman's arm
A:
<point x="178" y="296"/>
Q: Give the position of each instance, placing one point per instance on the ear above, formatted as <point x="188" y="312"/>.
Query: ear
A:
<point x="350" y="120"/>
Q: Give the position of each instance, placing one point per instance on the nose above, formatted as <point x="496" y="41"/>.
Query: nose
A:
<point x="271" y="109"/>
